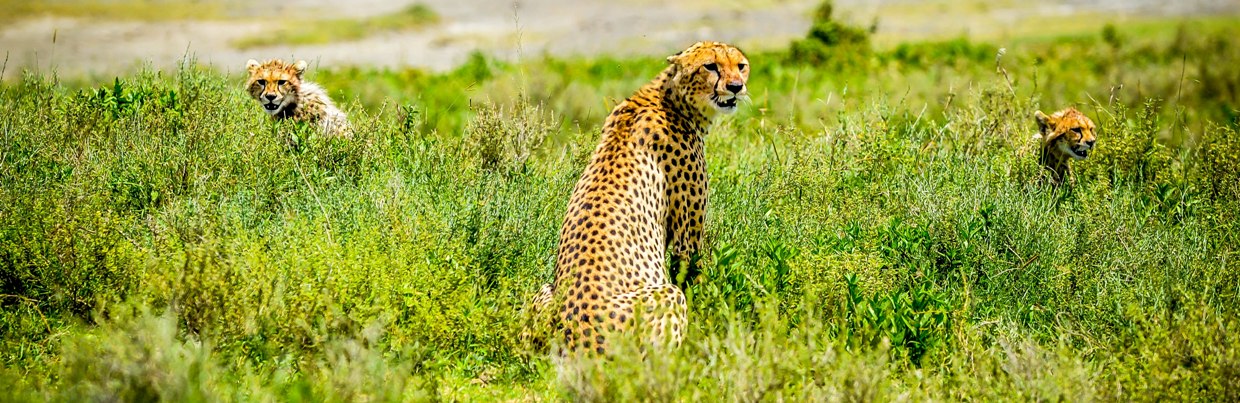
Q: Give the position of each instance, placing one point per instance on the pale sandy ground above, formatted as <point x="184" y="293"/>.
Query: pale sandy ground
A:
<point x="526" y="28"/>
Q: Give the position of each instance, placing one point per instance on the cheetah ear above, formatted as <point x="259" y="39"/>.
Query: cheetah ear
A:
<point x="1043" y="120"/>
<point x="692" y="48"/>
<point x="672" y="59"/>
<point x="251" y="66"/>
<point x="1044" y="126"/>
<point x="300" y="67"/>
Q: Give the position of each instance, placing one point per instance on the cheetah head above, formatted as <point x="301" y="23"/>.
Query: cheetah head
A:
<point x="274" y="83"/>
<point x="710" y="77"/>
<point x="1069" y="132"/>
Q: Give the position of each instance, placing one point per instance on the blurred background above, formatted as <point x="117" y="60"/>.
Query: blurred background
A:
<point x="104" y="38"/>
<point x="879" y="226"/>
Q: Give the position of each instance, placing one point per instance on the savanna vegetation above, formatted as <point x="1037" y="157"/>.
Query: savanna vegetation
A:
<point x="879" y="230"/>
<point x="303" y="31"/>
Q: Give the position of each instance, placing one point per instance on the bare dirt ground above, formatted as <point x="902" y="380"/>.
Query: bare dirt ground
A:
<point x="526" y="28"/>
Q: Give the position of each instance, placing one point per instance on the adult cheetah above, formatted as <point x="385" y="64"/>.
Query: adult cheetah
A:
<point x="642" y="194"/>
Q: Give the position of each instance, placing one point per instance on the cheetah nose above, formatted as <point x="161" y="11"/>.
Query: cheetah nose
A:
<point x="1090" y="143"/>
<point x="735" y="87"/>
<point x="271" y="97"/>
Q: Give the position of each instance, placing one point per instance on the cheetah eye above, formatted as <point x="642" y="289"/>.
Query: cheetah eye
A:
<point x="281" y="82"/>
<point x="741" y="66"/>
<point x="261" y="82"/>
<point x="1077" y="130"/>
<point x="712" y="67"/>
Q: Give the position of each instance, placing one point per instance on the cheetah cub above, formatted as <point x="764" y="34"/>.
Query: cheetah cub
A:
<point x="1065" y="135"/>
<point x="279" y="88"/>
<point x="642" y="195"/>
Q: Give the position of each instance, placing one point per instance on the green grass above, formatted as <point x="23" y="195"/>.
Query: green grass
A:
<point x="309" y="32"/>
<point x="878" y="230"/>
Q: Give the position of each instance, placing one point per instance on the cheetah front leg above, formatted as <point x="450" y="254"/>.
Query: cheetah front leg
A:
<point x="686" y="264"/>
<point x="538" y="320"/>
<point x="687" y="196"/>
<point x="687" y="217"/>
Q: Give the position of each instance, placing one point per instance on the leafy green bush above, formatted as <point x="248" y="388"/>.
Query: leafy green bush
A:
<point x="1220" y="163"/>
<point x="1131" y="153"/>
<point x="830" y="42"/>
<point x="959" y="50"/>
<point x="915" y="322"/>
<point x="504" y="140"/>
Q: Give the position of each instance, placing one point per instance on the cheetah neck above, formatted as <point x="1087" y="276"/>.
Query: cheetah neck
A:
<point x="663" y="78"/>
<point x="698" y="123"/>
<point x="309" y="105"/>
<point x="289" y="111"/>
<point x="678" y="104"/>
<point x="1052" y="159"/>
